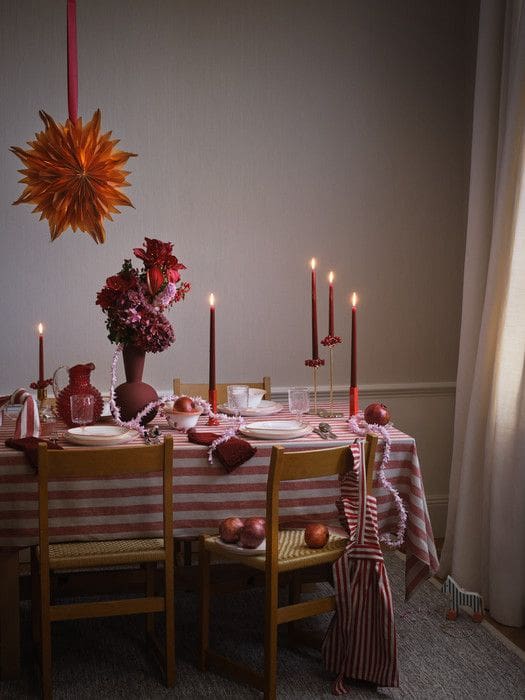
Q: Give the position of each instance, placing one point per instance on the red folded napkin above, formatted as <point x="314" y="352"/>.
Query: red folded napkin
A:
<point x="231" y="453"/>
<point x="29" y="446"/>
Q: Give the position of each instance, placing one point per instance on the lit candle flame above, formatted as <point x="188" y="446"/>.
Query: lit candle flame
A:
<point x="354" y="299"/>
<point x="212" y="300"/>
<point x="313" y="263"/>
<point x="330" y="277"/>
<point x="40" y="329"/>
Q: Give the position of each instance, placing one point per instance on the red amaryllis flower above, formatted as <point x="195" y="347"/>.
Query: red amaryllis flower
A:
<point x="155" y="280"/>
<point x="157" y="253"/>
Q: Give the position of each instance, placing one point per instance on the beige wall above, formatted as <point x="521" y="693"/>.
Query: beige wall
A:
<point x="268" y="132"/>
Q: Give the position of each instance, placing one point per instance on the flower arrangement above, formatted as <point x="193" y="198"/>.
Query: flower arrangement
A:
<point x="134" y="300"/>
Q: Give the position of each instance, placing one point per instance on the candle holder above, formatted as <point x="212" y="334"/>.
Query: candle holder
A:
<point x="354" y="400"/>
<point x="41" y="395"/>
<point x="212" y="400"/>
<point x="314" y="364"/>
<point x="329" y="342"/>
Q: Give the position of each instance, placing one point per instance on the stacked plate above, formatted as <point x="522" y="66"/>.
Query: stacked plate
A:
<point x="275" y="429"/>
<point x="100" y="435"/>
<point x="265" y="408"/>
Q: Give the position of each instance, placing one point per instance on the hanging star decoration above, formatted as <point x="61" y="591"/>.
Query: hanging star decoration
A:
<point x="73" y="175"/>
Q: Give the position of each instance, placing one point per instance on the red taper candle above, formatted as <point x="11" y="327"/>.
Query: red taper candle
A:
<point x="354" y="391"/>
<point x="315" y="348"/>
<point x="331" y="304"/>
<point x="40" y="352"/>
<point x="353" y="369"/>
<point x="211" y="386"/>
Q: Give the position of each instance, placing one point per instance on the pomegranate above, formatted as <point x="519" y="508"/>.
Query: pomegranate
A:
<point x="184" y="404"/>
<point x="230" y="529"/>
<point x="377" y="413"/>
<point x="316" y="535"/>
<point x="253" y="532"/>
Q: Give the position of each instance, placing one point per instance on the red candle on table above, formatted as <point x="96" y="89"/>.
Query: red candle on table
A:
<point x="354" y="393"/>
<point x="353" y="370"/>
<point x="331" y="304"/>
<point x="211" y="386"/>
<point x="315" y="348"/>
<point x="40" y="352"/>
<point x="212" y="391"/>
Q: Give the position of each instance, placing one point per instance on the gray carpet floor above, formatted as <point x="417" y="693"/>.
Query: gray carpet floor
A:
<point x="437" y="658"/>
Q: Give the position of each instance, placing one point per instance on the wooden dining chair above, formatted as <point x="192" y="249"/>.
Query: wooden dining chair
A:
<point x="181" y="388"/>
<point x="285" y="552"/>
<point x="47" y="558"/>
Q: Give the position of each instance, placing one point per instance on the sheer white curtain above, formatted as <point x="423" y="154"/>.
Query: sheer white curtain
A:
<point x="485" y="541"/>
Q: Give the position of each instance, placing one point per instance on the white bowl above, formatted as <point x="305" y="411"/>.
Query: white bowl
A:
<point x="183" y="420"/>
<point x="255" y="397"/>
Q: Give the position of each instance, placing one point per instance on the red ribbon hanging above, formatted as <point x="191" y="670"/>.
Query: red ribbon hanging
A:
<point x="72" y="61"/>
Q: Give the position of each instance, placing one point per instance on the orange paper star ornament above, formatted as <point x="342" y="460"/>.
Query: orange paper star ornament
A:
<point x="73" y="175"/>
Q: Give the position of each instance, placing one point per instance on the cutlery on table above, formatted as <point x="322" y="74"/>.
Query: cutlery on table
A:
<point x="327" y="430"/>
<point x="321" y="433"/>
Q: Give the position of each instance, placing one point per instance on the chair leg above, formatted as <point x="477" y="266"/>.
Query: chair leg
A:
<point x="45" y="648"/>
<point x="204" y="571"/>
<point x="187" y="552"/>
<point x="169" y="595"/>
<point x="35" y="600"/>
<point x="270" y="639"/>
<point x="294" y="596"/>
<point x="149" y="570"/>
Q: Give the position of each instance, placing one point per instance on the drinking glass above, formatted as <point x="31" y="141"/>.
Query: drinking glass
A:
<point x="298" y="400"/>
<point x="237" y="397"/>
<point x="82" y="406"/>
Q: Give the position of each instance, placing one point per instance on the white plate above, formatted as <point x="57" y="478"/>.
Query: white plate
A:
<point x="100" y="435"/>
<point x="276" y="430"/>
<point x="265" y="408"/>
<point x="261" y="549"/>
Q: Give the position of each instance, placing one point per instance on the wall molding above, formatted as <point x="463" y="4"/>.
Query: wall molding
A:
<point x="437" y="510"/>
<point x="402" y="390"/>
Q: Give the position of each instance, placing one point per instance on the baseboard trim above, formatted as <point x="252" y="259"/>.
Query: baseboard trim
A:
<point x="437" y="510"/>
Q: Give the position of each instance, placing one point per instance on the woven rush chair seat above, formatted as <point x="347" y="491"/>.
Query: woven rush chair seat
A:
<point x="71" y="555"/>
<point x="292" y="551"/>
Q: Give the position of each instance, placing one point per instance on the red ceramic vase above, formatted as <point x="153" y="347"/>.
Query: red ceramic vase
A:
<point x="78" y="384"/>
<point x="134" y="395"/>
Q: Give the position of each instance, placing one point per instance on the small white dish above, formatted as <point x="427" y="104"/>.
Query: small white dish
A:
<point x="265" y="408"/>
<point x="183" y="420"/>
<point x="99" y="435"/>
<point x="246" y="551"/>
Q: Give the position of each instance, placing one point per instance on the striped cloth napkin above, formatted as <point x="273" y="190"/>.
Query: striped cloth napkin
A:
<point x="28" y="422"/>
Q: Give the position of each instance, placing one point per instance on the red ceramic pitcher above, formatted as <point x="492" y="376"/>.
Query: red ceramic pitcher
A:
<point x="78" y="384"/>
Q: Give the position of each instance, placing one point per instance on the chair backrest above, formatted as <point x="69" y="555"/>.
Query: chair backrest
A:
<point x="99" y="463"/>
<point x="307" y="464"/>
<point x="181" y="388"/>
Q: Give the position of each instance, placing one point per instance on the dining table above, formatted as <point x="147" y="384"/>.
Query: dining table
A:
<point x="204" y="494"/>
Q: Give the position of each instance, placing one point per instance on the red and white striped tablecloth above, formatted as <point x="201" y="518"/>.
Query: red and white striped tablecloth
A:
<point x="204" y="494"/>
